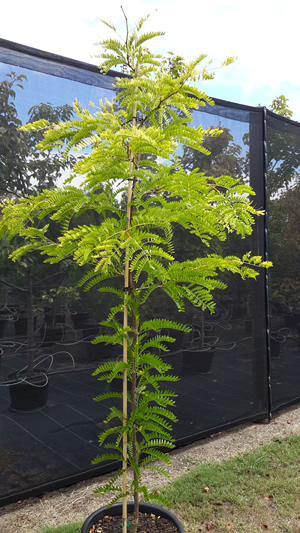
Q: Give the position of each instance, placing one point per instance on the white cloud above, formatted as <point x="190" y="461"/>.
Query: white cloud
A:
<point x="263" y="34"/>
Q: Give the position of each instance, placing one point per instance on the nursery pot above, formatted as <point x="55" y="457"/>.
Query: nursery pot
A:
<point x="99" y="351"/>
<point x="116" y="510"/>
<point x="2" y="326"/>
<point x="21" y="325"/>
<point x="51" y="319"/>
<point x="80" y="318"/>
<point x="28" y="393"/>
<point x="5" y="316"/>
<point x="292" y="320"/>
<point x="51" y="335"/>
<point x="197" y="361"/>
<point x="275" y="345"/>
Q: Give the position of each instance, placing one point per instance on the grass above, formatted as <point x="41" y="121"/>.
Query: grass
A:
<point x="250" y="493"/>
<point x="67" y="528"/>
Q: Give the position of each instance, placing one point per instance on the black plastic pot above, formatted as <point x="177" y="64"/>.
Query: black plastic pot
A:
<point x="5" y="316"/>
<point x="248" y="326"/>
<point x="21" y="325"/>
<point x="99" y="351"/>
<point x="80" y="318"/>
<point x="197" y="361"/>
<point x="52" y="335"/>
<point x="52" y="320"/>
<point x="116" y="510"/>
<point x="275" y="345"/>
<point x="292" y="320"/>
<point x="28" y="393"/>
<point x="2" y="326"/>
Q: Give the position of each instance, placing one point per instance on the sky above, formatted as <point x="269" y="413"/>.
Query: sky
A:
<point x="263" y="36"/>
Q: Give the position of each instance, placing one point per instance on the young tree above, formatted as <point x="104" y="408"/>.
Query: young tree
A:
<point x="134" y="148"/>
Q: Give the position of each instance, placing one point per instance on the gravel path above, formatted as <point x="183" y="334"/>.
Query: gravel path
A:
<point x="75" y="503"/>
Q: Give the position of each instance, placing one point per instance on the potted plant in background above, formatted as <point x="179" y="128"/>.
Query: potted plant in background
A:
<point x="28" y="387"/>
<point x="130" y="147"/>
<point x="58" y="301"/>
<point x="24" y="171"/>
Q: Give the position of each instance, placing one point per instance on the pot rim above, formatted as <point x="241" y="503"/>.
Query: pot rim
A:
<point x="116" y="509"/>
<point x="16" y="378"/>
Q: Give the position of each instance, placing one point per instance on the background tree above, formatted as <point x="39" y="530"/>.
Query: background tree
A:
<point x="223" y="156"/>
<point x="280" y="106"/>
<point x="24" y="169"/>
<point x="284" y="204"/>
<point x="283" y="149"/>
<point x="13" y="143"/>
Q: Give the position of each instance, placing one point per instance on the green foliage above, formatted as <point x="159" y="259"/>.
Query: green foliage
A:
<point x="148" y="426"/>
<point x="280" y="106"/>
<point x="23" y="168"/>
<point x="283" y="150"/>
<point x="135" y="140"/>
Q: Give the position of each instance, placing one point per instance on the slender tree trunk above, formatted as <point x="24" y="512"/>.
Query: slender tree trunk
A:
<point x="30" y="325"/>
<point x="127" y="280"/>
<point x="124" y="502"/>
<point x="134" y="524"/>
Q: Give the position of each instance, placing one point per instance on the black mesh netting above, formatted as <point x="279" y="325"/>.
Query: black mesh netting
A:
<point x="284" y="251"/>
<point x="223" y="363"/>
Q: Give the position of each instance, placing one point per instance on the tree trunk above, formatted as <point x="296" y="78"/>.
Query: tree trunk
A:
<point x="127" y="282"/>
<point x="30" y="326"/>
<point x="134" y="524"/>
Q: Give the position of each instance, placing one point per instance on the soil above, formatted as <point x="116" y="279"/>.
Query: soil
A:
<point x="75" y="503"/>
<point x="147" y="523"/>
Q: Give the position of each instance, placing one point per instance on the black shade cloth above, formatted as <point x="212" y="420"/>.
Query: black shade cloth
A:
<point x="251" y="362"/>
